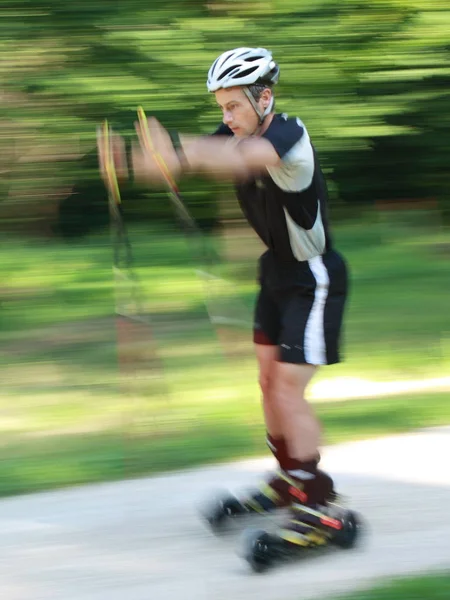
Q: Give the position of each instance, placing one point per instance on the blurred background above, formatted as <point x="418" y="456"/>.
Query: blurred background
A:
<point x="87" y="395"/>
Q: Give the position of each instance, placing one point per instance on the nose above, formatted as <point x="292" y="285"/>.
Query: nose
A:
<point x="227" y="118"/>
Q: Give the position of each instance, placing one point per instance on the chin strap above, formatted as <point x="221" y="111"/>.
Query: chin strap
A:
<point x="261" y="115"/>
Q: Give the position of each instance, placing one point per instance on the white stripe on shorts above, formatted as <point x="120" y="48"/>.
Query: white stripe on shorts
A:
<point x="315" y="349"/>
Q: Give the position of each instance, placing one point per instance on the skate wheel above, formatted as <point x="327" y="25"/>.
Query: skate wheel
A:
<point x="259" y="549"/>
<point x="220" y="510"/>
<point x="348" y="535"/>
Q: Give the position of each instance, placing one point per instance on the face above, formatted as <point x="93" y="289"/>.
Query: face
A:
<point x="237" y="111"/>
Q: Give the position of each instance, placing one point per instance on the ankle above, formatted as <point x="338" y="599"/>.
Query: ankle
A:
<point x="300" y="469"/>
<point x="278" y="447"/>
<point x="310" y="485"/>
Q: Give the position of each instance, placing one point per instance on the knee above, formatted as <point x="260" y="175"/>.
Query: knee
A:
<point x="289" y="395"/>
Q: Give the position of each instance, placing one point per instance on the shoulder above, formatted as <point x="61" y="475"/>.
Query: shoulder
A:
<point x="291" y="141"/>
<point x="284" y="133"/>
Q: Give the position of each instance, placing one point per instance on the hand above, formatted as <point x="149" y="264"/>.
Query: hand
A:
<point x="154" y="159"/>
<point x="117" y="156"/>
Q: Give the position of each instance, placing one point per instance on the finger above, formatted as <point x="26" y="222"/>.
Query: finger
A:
<point x="144" y="138"/>
<point x="147" y="129"/>
<point x="150" y="131"/>
<point x="159" y="136"/>
<point x="147" y="163"/>
<point x="137" y="127"/>
<point x="144" y="128"/>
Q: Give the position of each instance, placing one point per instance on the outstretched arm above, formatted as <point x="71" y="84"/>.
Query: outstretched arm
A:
<point x="220" y="157"/>
<point x="225" y="157"/>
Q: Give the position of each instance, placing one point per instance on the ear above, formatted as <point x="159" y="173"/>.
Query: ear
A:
<point x="266" y="96"/>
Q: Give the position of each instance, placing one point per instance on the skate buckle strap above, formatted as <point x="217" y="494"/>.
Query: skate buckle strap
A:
<point x="259" y="503"/>
<point x="294" y="490"/>
<point x="307" y="526"/>
<point x="283" y="475"/>
<point x="268" y="491"/>
<point x="309" y="510"/>
<point x="330" y="522"/>
<point x="297" y="493"/>
<point x="301" y="539"/>
<point x="322" y="517"/>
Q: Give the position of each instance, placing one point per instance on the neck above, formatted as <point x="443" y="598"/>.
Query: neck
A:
<point x="265" y="125"/>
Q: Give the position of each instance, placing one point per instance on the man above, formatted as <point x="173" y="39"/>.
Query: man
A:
<point x="303" y="280"/>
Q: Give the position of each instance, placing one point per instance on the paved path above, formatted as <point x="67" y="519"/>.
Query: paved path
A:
<point x="143" y="540"/>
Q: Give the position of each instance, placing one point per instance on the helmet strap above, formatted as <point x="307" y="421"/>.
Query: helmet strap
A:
<point x="261" y="115"/>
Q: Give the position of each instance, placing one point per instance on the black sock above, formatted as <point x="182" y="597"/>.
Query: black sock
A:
<point x="277" y="446"/>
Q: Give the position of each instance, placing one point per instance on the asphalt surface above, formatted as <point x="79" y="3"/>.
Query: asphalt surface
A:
<point x="143" y="539"/>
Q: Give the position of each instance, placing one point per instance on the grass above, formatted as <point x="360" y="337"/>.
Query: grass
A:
<point x="188" y="394"/>
<point x="435" y="586"/>
<point x="183" y="437"/>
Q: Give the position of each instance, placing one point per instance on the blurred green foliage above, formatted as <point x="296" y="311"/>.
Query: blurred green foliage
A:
<point x="74" y="409"/>
<point x="370" y="80"/>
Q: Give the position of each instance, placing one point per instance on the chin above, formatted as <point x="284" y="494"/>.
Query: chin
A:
<point x="240" y="133"/>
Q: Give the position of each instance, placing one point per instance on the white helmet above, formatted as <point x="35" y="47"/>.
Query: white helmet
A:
<point x="242" y="66"/>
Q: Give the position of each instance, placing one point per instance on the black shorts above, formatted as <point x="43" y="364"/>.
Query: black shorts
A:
<point x="300" y="308"/>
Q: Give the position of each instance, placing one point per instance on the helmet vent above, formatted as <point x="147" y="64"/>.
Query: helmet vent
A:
<point x="245" y="72"/>
<point x="227" y="72"/>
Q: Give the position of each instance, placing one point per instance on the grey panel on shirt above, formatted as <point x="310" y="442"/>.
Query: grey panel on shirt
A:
<point x="295" y="174"/>
<point x="306" y="243"/>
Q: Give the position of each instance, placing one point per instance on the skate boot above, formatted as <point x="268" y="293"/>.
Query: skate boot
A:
<point x="308" y="527"/>
<point x="278" y="491"/>
<point x="270" y="495"/>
